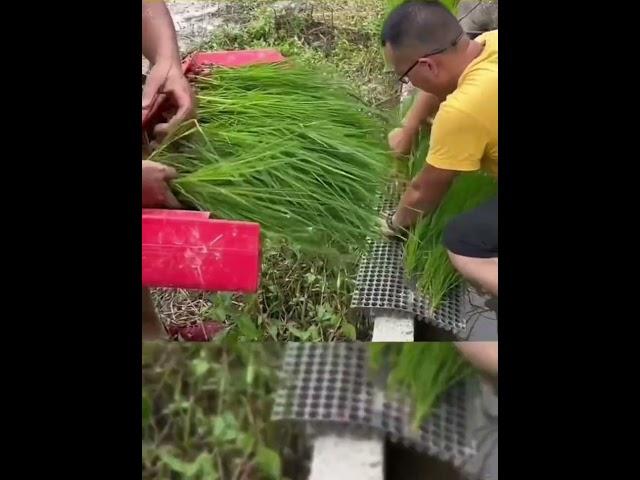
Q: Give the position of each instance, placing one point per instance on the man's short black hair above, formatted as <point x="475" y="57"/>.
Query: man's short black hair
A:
<point x="427" y="24"/>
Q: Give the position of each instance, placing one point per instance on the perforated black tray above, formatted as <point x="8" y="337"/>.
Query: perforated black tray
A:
<point x="382" y="284"/>
<point x="330" y="385"/>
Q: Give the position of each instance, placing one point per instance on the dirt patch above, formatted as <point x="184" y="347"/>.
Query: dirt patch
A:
<point x="180" y="307"/>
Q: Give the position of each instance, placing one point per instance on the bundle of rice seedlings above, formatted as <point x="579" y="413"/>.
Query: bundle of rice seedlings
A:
<point x="287" y="146"/>
<point x="424" y="371"/>
<point x="426" y="258"/>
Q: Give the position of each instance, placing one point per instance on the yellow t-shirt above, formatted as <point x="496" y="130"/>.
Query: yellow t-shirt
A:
<point x="464" y="136"/>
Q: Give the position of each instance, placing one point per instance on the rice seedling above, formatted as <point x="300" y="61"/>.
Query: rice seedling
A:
<point x="299" y="289"/>
<point x="290" y="147"/>
<point x="426" y="258"/>
<point x="424" y="371"/>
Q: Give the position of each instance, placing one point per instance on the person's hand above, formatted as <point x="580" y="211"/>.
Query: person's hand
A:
<point x="400" y="141"/>
<point x="155" y="186"/>
<point x="390" y="229"/>
<point x="167" y="78"/>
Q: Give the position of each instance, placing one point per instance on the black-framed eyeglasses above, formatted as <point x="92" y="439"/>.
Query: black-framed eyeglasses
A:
<point x="403" y="78"/>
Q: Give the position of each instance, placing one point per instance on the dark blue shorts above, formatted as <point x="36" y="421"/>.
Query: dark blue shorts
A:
<point x="474" y="233"/>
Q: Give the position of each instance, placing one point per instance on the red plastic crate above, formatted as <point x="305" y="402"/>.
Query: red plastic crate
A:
<point x="201" y="61"/>
<point x="186" y="249"/>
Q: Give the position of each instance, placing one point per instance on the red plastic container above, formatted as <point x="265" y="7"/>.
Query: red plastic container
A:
<point x="199" y="62"/>
<point x="186" y="249"/>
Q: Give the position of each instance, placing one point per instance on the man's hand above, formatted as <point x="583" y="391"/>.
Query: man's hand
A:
<point x="389" y="228"/>
<point x="160" y="47"/>
<point x="167" y="77"/>
<point x="400" y="141"/>
<point x="155" y="186"/>
<point x="423" y="195"/>
<point x="419" y="116"/>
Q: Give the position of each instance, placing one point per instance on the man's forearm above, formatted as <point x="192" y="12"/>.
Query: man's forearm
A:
<point x="159" y="41"/>
<point x="414" y="204"/>
<point x="424" y="107"/>
<point x="423" y="195"/>
<point x="411" y="207"/>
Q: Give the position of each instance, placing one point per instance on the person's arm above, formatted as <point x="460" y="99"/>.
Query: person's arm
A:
<point x="420" y="114"/>
<point x="160" y="47"/>
<point x="424" y="194"/>
<point x="458" y="142"/>
<point x="159" y="41"/>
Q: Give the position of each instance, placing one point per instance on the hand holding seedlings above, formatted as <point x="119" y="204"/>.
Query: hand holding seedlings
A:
<point x="416" y="122"/>
<point x="390" y="229"/>
<point x="160" y="47"/>
<point x="167" y="78"/>
<point x="400" y="142"/>
<point x="155" y="185"/>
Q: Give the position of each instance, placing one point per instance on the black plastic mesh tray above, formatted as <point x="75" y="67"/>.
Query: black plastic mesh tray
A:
<point x="330" y="385"/>
<point x="382" y="286"/>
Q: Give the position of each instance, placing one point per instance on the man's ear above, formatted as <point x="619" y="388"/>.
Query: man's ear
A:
<point x="429" y="64"/>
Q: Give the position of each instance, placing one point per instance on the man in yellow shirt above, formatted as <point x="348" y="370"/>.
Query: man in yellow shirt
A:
<point x="426" y="45"/>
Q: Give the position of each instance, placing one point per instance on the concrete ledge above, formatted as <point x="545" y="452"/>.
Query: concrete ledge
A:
<point x="393" y="327"/>
<point x="349" y="457"/>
